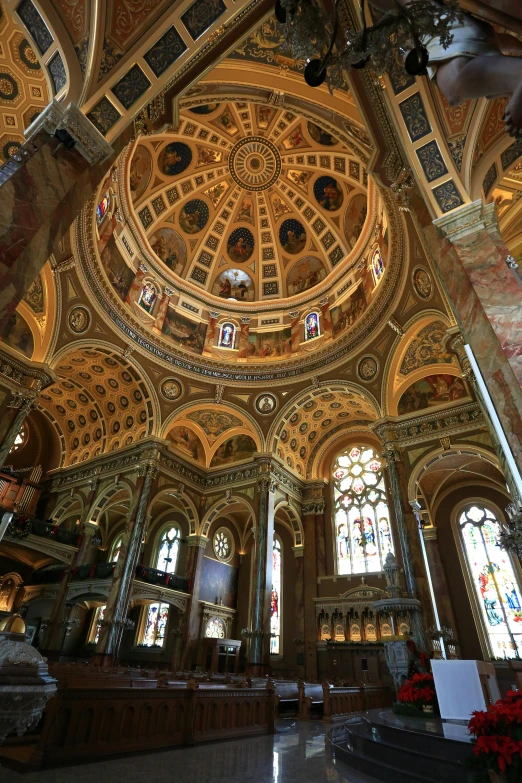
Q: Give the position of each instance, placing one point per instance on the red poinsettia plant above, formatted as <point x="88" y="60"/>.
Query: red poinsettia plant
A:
<point x="418" y="692"/>
<point x="498" y="732"/>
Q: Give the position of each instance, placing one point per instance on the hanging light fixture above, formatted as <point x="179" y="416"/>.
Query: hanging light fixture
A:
<point x="398" y="35"/>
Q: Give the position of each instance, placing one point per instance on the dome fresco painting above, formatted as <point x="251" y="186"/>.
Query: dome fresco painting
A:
<point x="247" y="203"/>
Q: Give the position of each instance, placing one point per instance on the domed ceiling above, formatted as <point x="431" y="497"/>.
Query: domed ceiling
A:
<point x="222" y="239"/>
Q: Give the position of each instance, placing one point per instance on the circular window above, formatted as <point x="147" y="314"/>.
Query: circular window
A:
<point x="223" y="544"/>
<point x="215" y="628"/>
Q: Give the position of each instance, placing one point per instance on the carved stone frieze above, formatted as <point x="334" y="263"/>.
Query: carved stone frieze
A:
<point x="418" y="429"/>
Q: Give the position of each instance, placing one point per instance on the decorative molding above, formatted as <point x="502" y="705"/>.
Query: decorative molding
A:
<point x="418" y="429"/>
<point x="466" y="220"/>
<point x="89" y="141"/>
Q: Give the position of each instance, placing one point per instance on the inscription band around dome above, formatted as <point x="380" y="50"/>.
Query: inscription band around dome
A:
<point x="254" y="163"/>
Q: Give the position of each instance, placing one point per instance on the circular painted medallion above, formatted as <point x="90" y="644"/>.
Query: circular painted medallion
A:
<point x="328" y="193"/>
<point x="292" y="235"/>
<point x="174" y="158"/>
<point x="265" y="404"/>
<point x="240" y="245"/>
<point x="367" y="368"/>
<point x="254" y="163"/>
<point x="79" y="319"/>
<point x="193" y="216"/>
<point x="422" y="283"/>
<point x="171" y="389"/>
<point x="321" y="136"/>
<point x="205" y="108"/>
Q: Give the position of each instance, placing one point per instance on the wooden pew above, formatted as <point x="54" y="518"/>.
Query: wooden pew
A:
<point x="81" y="723"/>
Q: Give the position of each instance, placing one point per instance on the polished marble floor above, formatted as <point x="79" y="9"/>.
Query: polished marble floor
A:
<point x="295" y="754"/>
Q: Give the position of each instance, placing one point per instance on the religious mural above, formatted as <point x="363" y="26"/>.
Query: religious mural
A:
<point x="264" y="115"/>
<point x="426" y="348"/>
<point x="236" y="448"/>
<point x="296" y="140"/>
<point x="292" y="235"/>
<point x="240" y="245"/>
<point x="432" y="390"/>
<point x="34" y="297"/>
<point x="270" y="345"/>
<point x="219" y="583"/>
<point x="226" y="122"/>
<point x="207" y="156"/>
<point x="328" y="193"/>
<point x="174" y="158"/>
<point x="170" y="248"/>
<point x="246" y="211"/>
<point x="279" y="207"/>
<point x="193" y="216"/>
<point x="119" y="274"/>
<point x="17" y="334"/>
<point x="185" y="440"/>
<point x="140" y="172"/>
<point x="206" y="108"/>
<point x="347" y="313"/>
<point x="183" y="332"/>
<point x="214" y="423"/>
<point x="216" y="192"/>
<point x="355" y="218"/>
<point x="306" y="273"/>
<point x="234" y="283"/>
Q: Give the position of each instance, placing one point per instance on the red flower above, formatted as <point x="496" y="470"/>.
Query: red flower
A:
<point x="502" y="747"/>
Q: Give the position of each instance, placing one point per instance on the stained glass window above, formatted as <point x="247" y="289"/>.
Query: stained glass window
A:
<point x="102" y="208"/>
<point x="275" y="601"/>
<point x="494" y="580"/>
<point x="223" y="544"/>
<point x="99" y="615"/>
<point x="147" y="297"/>
<point x="377" y="265"/>
<point x="312" y="326"/>
<point x="227" y="336"/>
<point x="215" y="628"/>
<point x="363" y="535"/>
<point x="155" y="625"/>
<point x="168" y="549"/>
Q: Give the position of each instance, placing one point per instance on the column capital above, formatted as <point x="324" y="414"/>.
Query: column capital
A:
<point x="467" y="219"/>
<point x="199" y="541"/>
<point x="429" y="533"/>
<point x="267" y="484"/>
<point x="314" y="506"/>
<point x="298" y="551"/>
<point x="22" y="402"/>
<point x="88" y="139"/>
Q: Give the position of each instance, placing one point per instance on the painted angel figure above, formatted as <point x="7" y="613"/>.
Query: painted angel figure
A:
<point x="473" y="65"/>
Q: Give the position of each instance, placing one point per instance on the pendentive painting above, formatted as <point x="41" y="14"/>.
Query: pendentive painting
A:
<point x="170" y="248"/>
<point x="185" y="440"/>
<point x="17" y="334"/>
<point x="432" y="390"/>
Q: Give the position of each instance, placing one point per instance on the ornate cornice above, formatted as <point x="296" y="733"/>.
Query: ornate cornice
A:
<point x="418" y="429"/>
<point x="20" y="374"/>
<point x="467" y="219"/>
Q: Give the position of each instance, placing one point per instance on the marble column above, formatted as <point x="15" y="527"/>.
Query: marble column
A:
<point x="44" y="188"/>
<point x="115" y="620"/>
<point x="310" y="588"/>
<point x="242" y="339"/>
<point x="194" y="573"/>
<point x="320" y="540"/>
<point x="162" y="308"/>
<point x="486" y="297"/>
<point x="299" y="611"/>
<point x="295" y="331"/>
<point x="210" y="337"/>
<point x="259" y="662"/>
<point x="438" y="578"/>
<point x="23" y="405"/>
<point x="54" y="634"/>
<point x="136" y="285"/>
<point x="408" y="540"/>
<point x="326" y="319"/>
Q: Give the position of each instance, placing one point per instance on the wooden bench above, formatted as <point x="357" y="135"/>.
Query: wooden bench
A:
<point x="339" y="701"/>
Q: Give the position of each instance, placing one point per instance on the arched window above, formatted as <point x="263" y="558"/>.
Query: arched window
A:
<point x="103" y="207"/>
<point x="311" y="325"/>
<point x="377" y="265"/>
<point x="215" y="628"/>
<point x="168" y="549"/>
<point x="227" y="336"/>
<point x="20" y="440"/>
<point x="275" y="601"/>
<point x="494" y="580"/>
<point x="362" y="521"/>
<point x="116" y="549"/>
<point x="155" y="625"/>
<point x="147" y="297"/>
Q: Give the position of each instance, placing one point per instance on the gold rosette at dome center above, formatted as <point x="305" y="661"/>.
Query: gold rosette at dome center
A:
<point x="254" y="163"/>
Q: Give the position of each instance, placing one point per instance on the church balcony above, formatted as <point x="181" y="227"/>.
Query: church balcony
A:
<point x="103" y="572"/>
<point x="154" y="577"/>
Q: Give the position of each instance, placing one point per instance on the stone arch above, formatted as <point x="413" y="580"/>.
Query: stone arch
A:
<point x="182" y="502"/>
<point x="66" y="506"/>
<point x="292" y="522"/>
<point x="228" y="504"/>
<point x="423" y="372"/>
<point x="324" y="452"/>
